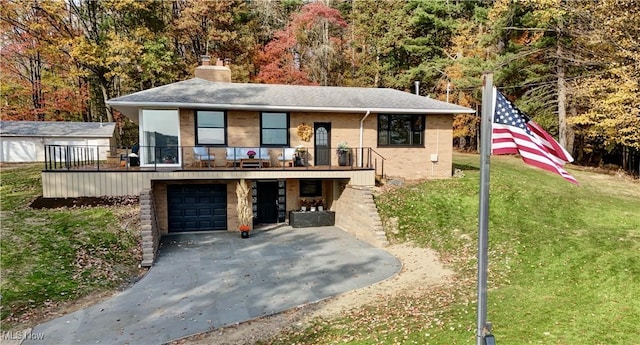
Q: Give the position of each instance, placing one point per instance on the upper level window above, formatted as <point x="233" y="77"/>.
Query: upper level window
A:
<point x="210" y="127"/>
<point x="400" y="130"/>
<point x="274" y="129"/>
<point x="159" y="137"/>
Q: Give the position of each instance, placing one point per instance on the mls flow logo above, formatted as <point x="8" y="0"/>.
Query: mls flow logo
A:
<point x="21" y="335"/>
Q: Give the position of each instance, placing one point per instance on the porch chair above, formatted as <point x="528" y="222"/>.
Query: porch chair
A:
<point x="202" y="155"/>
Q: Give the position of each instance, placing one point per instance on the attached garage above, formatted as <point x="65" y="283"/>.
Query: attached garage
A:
<point x="197" y="207"/>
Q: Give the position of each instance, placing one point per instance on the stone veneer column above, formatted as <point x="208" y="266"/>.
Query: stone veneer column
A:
<point x="148" y="228"/>
<point x="356" y="213"/>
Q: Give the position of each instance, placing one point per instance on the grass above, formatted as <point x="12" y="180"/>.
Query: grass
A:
<point x="49" y="257"/>
<point x="564" y="262"/>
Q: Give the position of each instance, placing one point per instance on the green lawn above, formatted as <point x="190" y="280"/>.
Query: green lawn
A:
<point x="49" y="257"/>
<point x="564" y="261"/>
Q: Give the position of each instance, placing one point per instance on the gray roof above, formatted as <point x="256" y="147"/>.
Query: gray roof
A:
<point x="199" y="93"/>
<point x="57" y="129"/>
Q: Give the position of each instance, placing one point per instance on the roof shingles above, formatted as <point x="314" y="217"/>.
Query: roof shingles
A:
<point x="202" y="93"/>
<point x="57" y="129"/>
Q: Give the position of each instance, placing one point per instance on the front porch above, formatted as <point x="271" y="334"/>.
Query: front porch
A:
<point x="199" y="158"/>
<point x="76" y="171"/>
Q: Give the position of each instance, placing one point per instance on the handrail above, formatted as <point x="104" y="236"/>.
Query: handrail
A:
<point x="104" y="157"/>
<point x="381" y="163"/>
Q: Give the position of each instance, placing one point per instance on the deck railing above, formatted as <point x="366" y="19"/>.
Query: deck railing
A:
<point x="94" y="158"/>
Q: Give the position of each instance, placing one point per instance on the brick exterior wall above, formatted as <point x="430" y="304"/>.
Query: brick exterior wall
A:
<point x="415" y="163"/>
<point x="148" y="228"/>
<point x="401" y="162"/>
<point x="293" y="195"/>
<point x="355" y="210"/>
<point x="356" y="213"/>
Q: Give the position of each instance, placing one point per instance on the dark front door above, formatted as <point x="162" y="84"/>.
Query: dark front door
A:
<point x="322" y="143"/>
<point x="267" y="202"/>
<point x="197" y="207"/>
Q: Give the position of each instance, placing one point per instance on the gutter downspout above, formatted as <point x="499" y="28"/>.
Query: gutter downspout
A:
<point x="362" y="137"/>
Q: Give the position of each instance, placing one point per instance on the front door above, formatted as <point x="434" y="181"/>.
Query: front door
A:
<point x="267" y="202"/>
<point x="322" y="143"/>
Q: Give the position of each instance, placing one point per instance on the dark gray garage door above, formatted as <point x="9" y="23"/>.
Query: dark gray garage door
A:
<point x="197" y="207"/>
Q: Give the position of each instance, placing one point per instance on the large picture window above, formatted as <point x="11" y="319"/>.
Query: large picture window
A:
<point x="210" y="127"/>
<point x="159" y="137"/>
<point x="274" y="129"/>
<point x="400" y="130"/>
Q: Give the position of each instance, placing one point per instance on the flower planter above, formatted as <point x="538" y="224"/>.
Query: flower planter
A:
<point x="244" y="231"/>
<point x="344" y="158"/>
<point x="311" y="219"/>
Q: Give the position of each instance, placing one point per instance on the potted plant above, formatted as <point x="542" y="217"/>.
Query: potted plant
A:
<point x="245" y="214"/>
<point x="305" y="204"/>
<point x="251" y="153"/>
<point x="343" y="151"/>
<point x="298" y="158"/>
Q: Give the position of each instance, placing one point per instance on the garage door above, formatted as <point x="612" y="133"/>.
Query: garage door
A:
<point x="197" y="207"/>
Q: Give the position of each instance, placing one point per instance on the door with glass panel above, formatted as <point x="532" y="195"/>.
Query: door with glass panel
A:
<point x="322" y="143"/>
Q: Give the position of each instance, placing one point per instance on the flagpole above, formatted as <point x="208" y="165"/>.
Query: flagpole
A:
<point x="483" y="214"/>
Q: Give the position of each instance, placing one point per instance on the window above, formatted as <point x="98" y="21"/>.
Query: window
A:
<point x="310" y="188"/>
<point x="159" y="137"/>
<point x="274" y="129"/>
<point x="400" y="130"/>
<point x="210" y="128"/>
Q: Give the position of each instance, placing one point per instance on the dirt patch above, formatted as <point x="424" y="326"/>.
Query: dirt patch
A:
<point x="420" y="267"/>
<point x="42" y="202"/>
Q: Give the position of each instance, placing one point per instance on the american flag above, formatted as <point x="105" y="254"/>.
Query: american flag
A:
<point x="514" y="133"/>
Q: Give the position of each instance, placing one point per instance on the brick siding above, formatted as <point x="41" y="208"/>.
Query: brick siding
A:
<point x="356" y="213"/>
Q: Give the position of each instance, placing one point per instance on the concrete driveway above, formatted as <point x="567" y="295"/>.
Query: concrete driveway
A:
<point x="209" y="280"/>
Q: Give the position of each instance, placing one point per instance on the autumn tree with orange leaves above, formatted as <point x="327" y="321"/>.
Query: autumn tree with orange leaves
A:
<point x="309" y="51"/>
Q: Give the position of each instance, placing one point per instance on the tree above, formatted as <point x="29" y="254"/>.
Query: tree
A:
<point x="309" y="51"/>
<point x="377" y="28"/>
<point x="607" y="99"/>
<point x="34" y="66"/>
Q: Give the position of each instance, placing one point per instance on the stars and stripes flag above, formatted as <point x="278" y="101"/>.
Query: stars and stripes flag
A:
<point x="513" y="132"/>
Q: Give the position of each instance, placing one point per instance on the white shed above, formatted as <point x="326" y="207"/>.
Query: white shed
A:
<point x="24" y="141"/>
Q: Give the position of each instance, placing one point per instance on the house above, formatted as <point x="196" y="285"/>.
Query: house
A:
<point x="293" y="144"/>
<point x="25" y="141"/>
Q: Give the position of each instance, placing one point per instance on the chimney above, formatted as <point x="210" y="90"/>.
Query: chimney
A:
<point x="217" y="73"/>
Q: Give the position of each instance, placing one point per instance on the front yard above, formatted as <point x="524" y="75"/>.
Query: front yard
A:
<point x="52" y="257"/>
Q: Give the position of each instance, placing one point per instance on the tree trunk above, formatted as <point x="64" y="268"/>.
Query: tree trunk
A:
<point x="376" y="78"/>
<point x="105" y="97"/>
<point x="571" y="135"/>
<point x="37" y="96"/>
<point x="562" y="99"/>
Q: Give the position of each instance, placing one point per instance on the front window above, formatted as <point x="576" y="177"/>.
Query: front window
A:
<point x="210" y="128"/>
<point x="159" y="137"/>
<point x="400" y="130"/>
<point x="274" y="129"/>
<point x="310" y="188"/>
